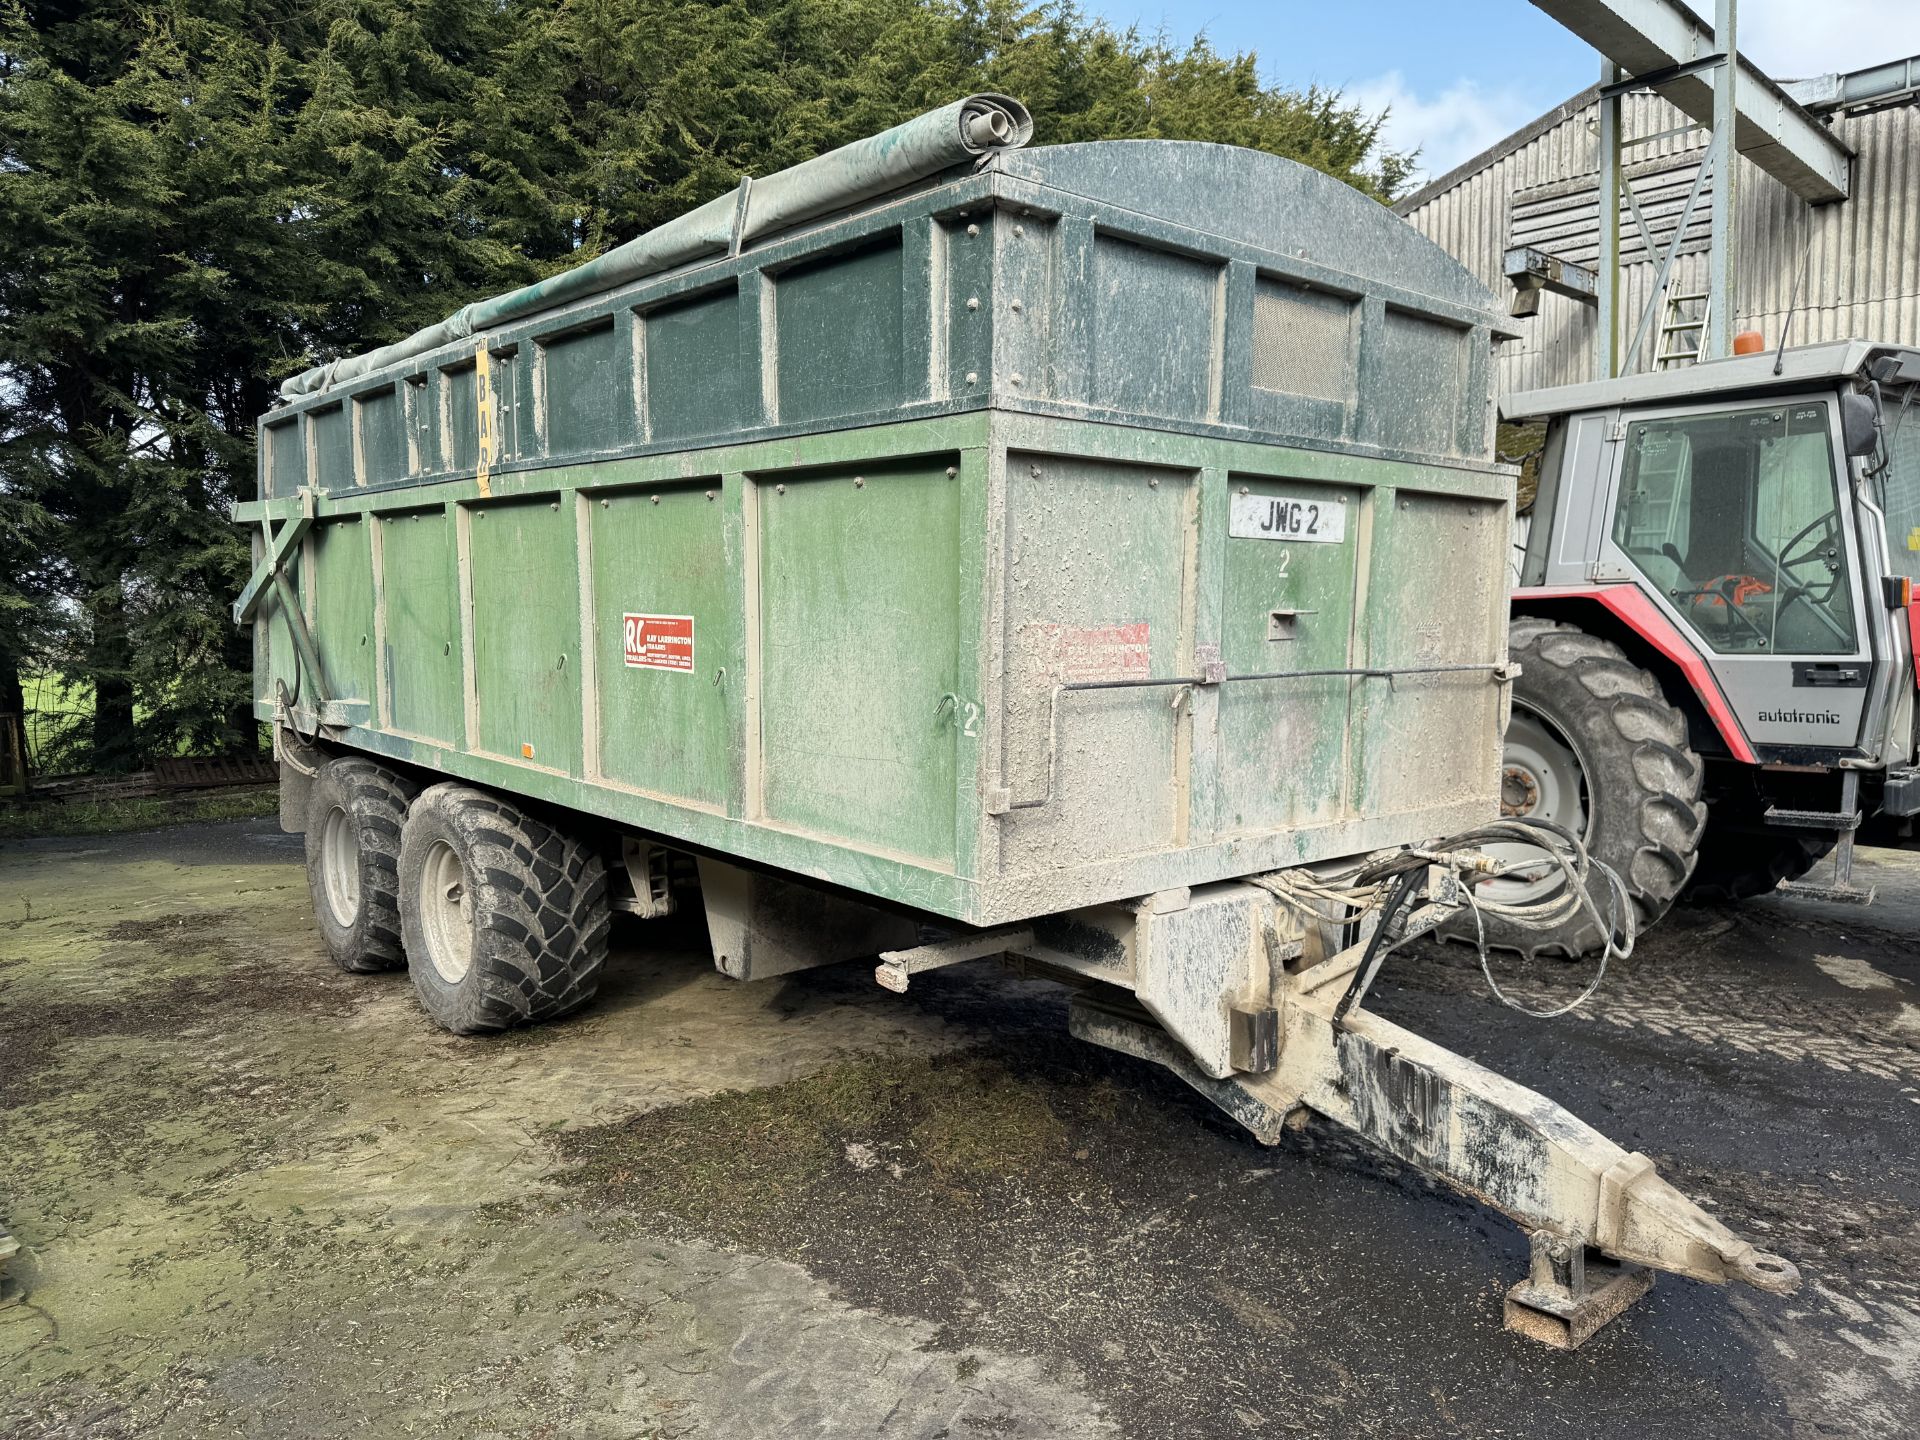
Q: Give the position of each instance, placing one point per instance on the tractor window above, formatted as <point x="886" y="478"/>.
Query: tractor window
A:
<point x="1736" y="517"/>
<point x="1901" y="484"/>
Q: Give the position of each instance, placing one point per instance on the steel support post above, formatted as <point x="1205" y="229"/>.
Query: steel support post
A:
<point x="1606" y="334"/>
<point x="1716" y="339"/>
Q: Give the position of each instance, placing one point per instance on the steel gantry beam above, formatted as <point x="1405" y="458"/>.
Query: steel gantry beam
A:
<point x="1661" y="43"/>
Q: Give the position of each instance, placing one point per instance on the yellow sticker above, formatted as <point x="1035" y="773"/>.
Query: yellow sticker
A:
<point x="483" y="402"/>
<point x="1913" y="538"/>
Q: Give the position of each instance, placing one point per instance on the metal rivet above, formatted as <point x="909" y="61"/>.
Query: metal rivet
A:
<point x="1014" y="378"/>
<point x="1243" y="490"/>
<point x="952" y="470"/>
<point x="779" y="489"/>
<point x="859" y="482"/>
<point x="1019" y="229"/>
<point x="709" y="494"/>
<point x="1034" y="471"/>
<point x="1015" y="306"/>
<point x="554" y="506"/>
<point x="1153" y="483"/>
<point x="973" y="377"/>
<point x="605" y="503"/>
<point x="973" y="229"/>
<point x="973" y="302"/>
<point x="654" y="498"/>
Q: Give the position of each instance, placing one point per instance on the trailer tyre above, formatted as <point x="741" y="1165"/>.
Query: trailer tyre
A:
<point x="505" y="917"/>
<point x="355" y="811"/>
<point x="1593" y="733"/>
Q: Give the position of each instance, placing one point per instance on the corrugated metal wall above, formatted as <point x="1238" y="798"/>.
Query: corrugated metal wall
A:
<point x="1857" y="263"/>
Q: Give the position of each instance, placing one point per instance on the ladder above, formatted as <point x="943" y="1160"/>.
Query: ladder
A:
<point x="1683" y="331"/>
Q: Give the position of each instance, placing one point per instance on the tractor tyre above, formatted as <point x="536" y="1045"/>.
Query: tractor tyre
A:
<point x="1595" y="746"/>
<point x="505" y="917"/>
<point x="355" y="810"/>
<point x="1746" y="863"/>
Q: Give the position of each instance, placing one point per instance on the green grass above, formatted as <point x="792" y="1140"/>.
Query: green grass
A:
<point x="147" y="812"/>
<point x="59" y="723"/>
<point x="52" y="703"/>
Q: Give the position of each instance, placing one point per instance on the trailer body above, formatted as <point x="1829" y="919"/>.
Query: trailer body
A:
<point x="901" y="552"/>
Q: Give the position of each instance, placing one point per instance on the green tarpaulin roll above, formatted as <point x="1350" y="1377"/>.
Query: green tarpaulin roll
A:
<point x="922" y="146"/>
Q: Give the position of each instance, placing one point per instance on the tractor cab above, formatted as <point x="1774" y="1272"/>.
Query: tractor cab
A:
<point x="1746" y="534"/>
<point x="1759" y="505"/>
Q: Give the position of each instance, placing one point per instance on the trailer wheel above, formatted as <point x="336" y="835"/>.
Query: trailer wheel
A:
<point x="1738" y="864"/>
<point x="355" y="809"/>
<point x="1595" y="746"/>
<point x="505" y="917"/>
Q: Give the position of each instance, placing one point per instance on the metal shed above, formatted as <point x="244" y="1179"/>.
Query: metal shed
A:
<point x="1855" y="264"/>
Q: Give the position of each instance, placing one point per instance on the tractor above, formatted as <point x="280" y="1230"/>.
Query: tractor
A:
<point x="1714" y="624"/>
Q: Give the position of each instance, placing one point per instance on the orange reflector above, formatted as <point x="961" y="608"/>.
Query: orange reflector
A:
<point x="526" y="752"/>
<point x="1749" y="342"/>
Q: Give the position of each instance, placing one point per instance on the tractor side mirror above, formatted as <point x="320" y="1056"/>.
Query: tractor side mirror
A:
<point x="1859" y="424"/>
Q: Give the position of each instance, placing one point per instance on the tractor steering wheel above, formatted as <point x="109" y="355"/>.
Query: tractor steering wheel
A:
<point x="1807" y="547"/>
<point x="1726" y="597"/>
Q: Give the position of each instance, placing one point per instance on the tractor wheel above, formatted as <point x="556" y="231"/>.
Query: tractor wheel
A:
<point x="355" y="808"/>
<point x="1745" y="863"/>
<point x="505" y="917"/>
<point x="1594" y="746"/>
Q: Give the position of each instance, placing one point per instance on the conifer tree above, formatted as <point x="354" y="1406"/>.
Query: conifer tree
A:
<point x="198" y="197"/>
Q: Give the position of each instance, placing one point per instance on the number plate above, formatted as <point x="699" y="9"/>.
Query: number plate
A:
<point x="1287" y="517"/>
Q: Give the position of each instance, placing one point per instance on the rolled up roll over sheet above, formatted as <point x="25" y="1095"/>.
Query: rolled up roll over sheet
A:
<point x="894" y="158"/>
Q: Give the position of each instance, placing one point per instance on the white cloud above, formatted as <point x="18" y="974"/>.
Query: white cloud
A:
<point x="1794" y="39"/>
<point x="1447" y="128"/>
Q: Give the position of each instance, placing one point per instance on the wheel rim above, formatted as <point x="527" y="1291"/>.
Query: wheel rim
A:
<point x="446" y="913"/>
<point x="340" y="866"/>
<point x="1541" y="778"/>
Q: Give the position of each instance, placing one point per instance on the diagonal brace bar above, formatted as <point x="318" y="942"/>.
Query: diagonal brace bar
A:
<point x="1656" y="296"/>
<point x="278" y="548"/>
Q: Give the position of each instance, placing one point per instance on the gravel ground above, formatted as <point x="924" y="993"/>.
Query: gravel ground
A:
<point x="260" y="1197"/>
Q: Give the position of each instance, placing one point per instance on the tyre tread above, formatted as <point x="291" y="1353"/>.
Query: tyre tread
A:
<point x="1648" y="738"/>
<point x="378" y="797"/>
<point x="542" y="920"/>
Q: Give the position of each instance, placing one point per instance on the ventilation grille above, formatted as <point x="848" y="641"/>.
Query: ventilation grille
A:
<point x="1302" y="341"/>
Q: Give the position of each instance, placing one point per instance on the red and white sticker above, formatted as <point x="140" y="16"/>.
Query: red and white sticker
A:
<point x="1079" y="653"/>
<point x="659" y="642"/>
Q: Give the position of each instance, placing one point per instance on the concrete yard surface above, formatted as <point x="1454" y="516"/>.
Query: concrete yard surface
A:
<point x="260" y="1197"/>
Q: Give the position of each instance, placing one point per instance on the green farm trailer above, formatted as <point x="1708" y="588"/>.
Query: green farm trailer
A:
<point x="941" y="550"/>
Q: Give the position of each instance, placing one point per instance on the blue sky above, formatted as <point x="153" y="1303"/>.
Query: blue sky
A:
<point x="1460" y="74"/>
